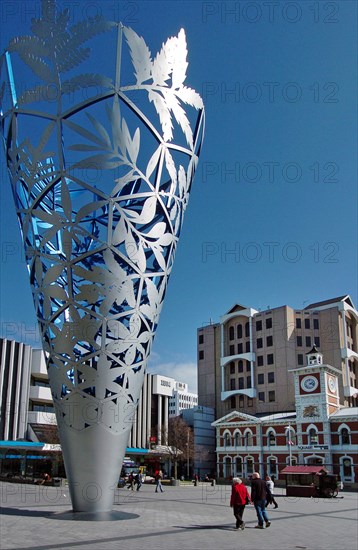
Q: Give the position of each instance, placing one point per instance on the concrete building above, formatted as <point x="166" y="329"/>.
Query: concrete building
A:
<point x="319" y="431"/>
<point x="245" y="361"/>
<point x="181" y="399"/>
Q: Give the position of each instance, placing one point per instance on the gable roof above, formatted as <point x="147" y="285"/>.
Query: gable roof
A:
<point x="236" y="307"/>
<point x="346" y="298"/>
<point x="236" y="416"/>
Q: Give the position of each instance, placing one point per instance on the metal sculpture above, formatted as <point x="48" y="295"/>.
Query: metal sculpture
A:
<point x="100" y="188"/>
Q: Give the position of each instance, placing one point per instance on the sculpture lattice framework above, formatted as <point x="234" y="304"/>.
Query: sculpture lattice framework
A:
<point x="101" y="170"/>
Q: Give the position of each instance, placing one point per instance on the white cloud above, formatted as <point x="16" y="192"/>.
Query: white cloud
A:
<point x="182" y="372"/>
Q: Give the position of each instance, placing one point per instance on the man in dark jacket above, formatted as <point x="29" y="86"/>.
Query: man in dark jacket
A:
<point x="258" y="497"/>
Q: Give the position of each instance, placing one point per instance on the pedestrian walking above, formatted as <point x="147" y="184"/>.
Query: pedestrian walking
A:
<point x="138" y="480"/>
<point x="270" y="492"/>
<point x="238" y="500"/>
<point x="158" y="482"/>
<point x="258" y="497"/>
<point x="130" y="482"/>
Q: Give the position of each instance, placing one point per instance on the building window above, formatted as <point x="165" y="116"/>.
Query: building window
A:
<point x="260" y="378"/>
<point x="261" y="395"/>
<point x="312" y="437"/>
<point x="259" y="343"/>
<point x="239" y="331"/>
<point x="231" y="333"/>
<point x="241" y="383"/>
<point x="300" y="359"/>
<point x="250" y="402"/>
<point x="298" y="323"/>
<point x="271" y="377"/>
<point x="232" y="402"/>
<point x="201" y="354"/>
<point x="316" y="324"/>
<point x="239" y="348"/>
<point x="308" y="340"/>
<point x="238" y="464"/>
<point x="269" y="322"/>
<point x="271" y="396"/>
<point x="247" y="329"/>
<point x="272" y="466"/>
<point x="271" y="439"/>
<point x="258" y="325"/>
<point x="299" y="341"/>
<point x="317" y="341"/>
<point x="241" y="401"/>
<point x="270" y="359"/>
<point x="269" y="341"/>
<point x="345" y="436"/>
<point x="260" y="360"/>
<point x="227" y="440"/>
<point x="247" y="347"/>
<point x="249" y="466"/>
<point x="307" y="323"/>
<point x="232" y="368"/>
<point x="201" y="338"/>
<point x="248" y="438"/>
<point x="232" y="349"/>
<point x="347" y="471"/>
<point x="237" y="439"/>
<point x="232" y="383"/>
<point x="248" y="366"/>
<point x="248" y="381"/>
<point x="241" y="366"/>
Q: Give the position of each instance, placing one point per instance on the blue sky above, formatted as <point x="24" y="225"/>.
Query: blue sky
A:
<point x="272" y="218"/>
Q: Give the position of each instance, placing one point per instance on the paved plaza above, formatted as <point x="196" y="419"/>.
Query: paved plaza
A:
<point x="185" y="517"/>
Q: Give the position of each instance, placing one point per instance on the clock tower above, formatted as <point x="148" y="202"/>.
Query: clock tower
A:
<point x="316" y="398"/>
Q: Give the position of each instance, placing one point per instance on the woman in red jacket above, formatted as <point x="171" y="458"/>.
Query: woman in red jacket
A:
<point x="239" y="498"/>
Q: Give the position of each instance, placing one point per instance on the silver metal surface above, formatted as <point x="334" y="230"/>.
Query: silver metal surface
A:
<point x="101" y="165"/>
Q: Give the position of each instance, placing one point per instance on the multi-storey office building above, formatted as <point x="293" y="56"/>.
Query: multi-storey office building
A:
<point x="245" y="361"/>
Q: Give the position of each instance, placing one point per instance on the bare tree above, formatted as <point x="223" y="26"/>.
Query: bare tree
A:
<point x="180" y="439"/>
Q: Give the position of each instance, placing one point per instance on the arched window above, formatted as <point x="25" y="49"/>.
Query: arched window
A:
<point x="314" y="460"/>
<point x="271" y="438"/>
<point x="249" y="466"/>
<point x="346" y="469"/>
<point x="239" y="331"/>
<point x="237" y="439"/>
<point x="345" y="436"/>
<point x="248" y="438"/>
<point x="231" y="333"/>
<point x="312" y="436"/>
<point x="272" y="469"/>
<point x="238" y="466"/>
<point x="293" y="461"/>
<point x="227" y="467"/>
<point x="227" y="439"/>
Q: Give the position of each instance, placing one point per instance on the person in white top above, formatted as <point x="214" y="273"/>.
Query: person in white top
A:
<point x="270" y="489"/>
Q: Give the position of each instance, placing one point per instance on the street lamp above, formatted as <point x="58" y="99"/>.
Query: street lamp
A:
<point x="290" y="443"/>
<point x="187" y="454"/>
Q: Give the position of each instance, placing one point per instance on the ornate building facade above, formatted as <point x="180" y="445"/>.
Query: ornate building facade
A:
<point x="318" y="431"/>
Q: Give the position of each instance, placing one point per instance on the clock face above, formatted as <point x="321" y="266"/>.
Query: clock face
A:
<point x="309" y="383"/>
<point x="332" y="384"/>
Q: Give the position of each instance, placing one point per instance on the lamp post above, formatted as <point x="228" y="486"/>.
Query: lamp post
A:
<point x="289" y="428"/>
<point x="187" y="454"/>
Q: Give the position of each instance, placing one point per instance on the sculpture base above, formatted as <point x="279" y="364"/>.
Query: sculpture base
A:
<point x="93" y="460"/>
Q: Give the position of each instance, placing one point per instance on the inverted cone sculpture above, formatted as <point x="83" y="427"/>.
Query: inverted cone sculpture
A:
<point x="100" y="188"/>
